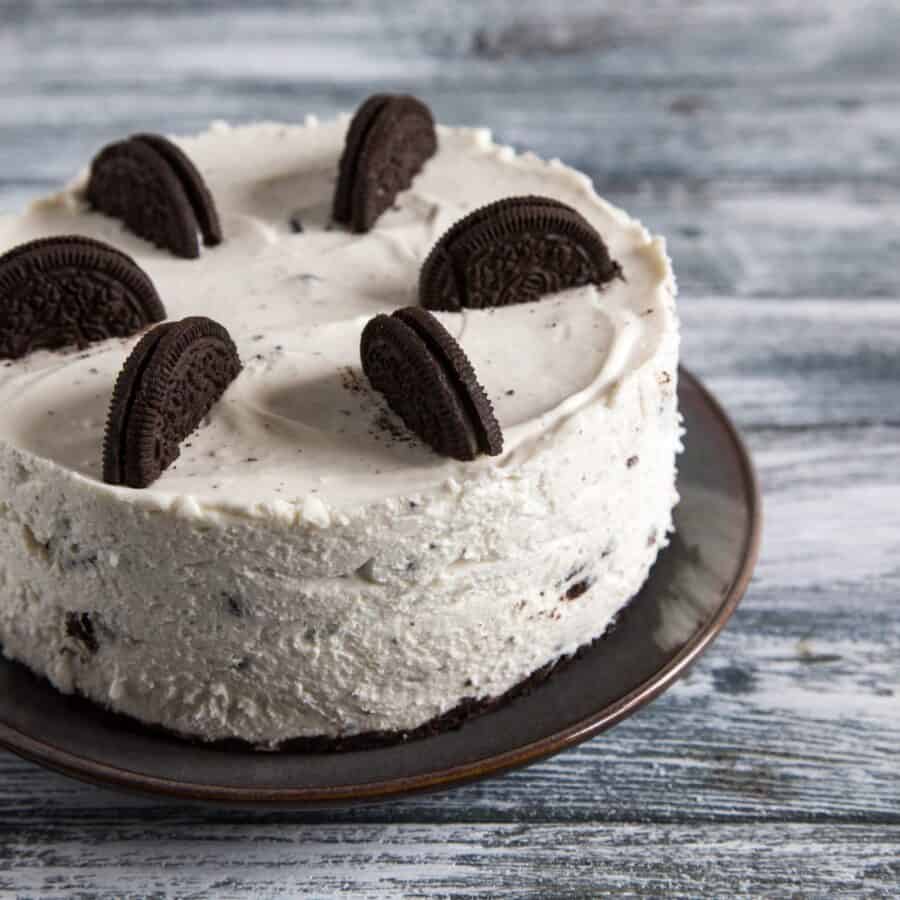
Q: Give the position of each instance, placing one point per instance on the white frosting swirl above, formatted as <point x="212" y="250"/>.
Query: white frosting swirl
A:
<point x="295" y="304"/>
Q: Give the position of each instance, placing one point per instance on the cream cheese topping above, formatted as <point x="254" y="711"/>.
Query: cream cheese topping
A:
<point x="290" y="429"/>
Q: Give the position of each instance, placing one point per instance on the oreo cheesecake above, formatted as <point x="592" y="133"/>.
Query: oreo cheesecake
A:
<point x="326" y="431"/>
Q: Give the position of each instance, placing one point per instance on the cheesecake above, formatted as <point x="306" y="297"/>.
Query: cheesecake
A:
<point x="309" y="567"/>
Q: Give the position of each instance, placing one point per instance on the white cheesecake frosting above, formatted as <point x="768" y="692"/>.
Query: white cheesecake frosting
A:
<point x="305" y="567"/>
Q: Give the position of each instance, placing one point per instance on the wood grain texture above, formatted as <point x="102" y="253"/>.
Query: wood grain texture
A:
<point x="410" y="861"/>
<point x="764" y="141"/>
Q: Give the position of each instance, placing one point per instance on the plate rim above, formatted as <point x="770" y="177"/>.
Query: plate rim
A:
<point x="92" y="771"/>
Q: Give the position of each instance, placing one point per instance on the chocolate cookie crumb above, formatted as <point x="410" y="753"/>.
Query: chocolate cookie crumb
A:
<point x="80" y="627"/>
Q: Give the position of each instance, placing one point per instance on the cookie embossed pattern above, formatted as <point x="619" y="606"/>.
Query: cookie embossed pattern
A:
<point x="69" y="291"/>
<point x="307" y="567"/>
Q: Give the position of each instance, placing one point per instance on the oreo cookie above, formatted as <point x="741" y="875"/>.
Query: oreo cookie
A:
<point x="195" y="187"/>
<point x="514" y="251"/>
<point x="70" y="291"/>
<point x="168" y="384"/>
<point x="153" y="187"/>
<point x="427" y="379"/>
<point x="389" y="139"/>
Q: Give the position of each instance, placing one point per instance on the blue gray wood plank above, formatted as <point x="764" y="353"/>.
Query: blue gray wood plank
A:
<point x="415" y="861"/>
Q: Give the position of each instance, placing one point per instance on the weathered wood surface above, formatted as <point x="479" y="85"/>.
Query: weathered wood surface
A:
<point x="493" y="860"/>
<point x="764" y="141"/>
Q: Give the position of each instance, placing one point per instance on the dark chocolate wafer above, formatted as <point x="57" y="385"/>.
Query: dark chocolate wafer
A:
<point x="152" y="186"/>
<point x="168" y="384"/>
<point x="513" y="251"/>
<point x="428" y="381"/>
<point x="342" y="209"/>
<point x="194" y="186"/>
<point x="69" y="291"/>
<point x="389" y="139"/>
<point x="443" y="345"/>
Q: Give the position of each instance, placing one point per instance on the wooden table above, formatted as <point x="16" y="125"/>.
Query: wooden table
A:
<point x="764" y="140"/>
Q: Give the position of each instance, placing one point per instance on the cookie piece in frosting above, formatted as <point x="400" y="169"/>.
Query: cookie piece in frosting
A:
<point x="389" y="139"/>
<point x="169" y="383"/>
<point x="428" y="381"/>
<point x="70" y="291"/>
<point x="154" y="188"/>
<point x="195" y="187"/>
<point x="515" y="250"/>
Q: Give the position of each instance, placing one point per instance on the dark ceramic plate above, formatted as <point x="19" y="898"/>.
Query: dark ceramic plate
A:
<point x="693" y="589"/>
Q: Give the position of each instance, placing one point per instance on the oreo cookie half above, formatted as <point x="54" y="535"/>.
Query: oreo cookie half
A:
<point x="154" y="188"/>
<point x="168" y="384"/>
<point x="514" y="251"/>
<point x="191" y="180"/>
<point x="389" y="139"/>
<point x="69" y="291"/>
<point x="427" y="379"/>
